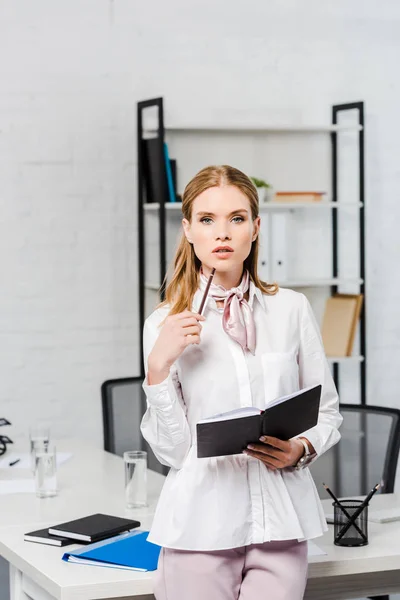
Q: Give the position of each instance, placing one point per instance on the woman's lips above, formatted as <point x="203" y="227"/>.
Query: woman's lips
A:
<point x="223" y="255"/>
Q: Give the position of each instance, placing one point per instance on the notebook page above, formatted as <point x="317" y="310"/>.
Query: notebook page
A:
<point x="292" y="395"/>
<point x="237" y="413"/>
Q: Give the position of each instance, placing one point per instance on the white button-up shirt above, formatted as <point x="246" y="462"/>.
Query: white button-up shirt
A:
<point x="230" y="501"/>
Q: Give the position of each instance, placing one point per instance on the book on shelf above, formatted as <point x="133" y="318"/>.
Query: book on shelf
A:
<point x="342" y="313"/>
<point x="284" y="418"/>
<point x="158" y="171"/>
<point x="298" y="196"/>
<point x="153" y="158"/>
<point x="93" y="527"/>
<point x="170" y="179"/>
<point x="174" y="173"/>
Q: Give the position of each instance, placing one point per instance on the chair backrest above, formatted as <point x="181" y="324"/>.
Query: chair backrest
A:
<point x="366" y="454"/>
<point x="123" y="404"/>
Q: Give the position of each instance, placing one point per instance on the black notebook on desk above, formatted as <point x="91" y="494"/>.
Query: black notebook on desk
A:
<point x="94" y="527"/>
<point x="285" y="417"/>
<point x="42" y="536"/>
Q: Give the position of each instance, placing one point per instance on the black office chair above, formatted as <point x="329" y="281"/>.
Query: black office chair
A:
<point x="124" y="403"/>
<point x="366" y="454"/>
<point x="4" y="439"/>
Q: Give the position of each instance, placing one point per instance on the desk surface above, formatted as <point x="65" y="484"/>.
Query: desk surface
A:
<point x="92" y="481"/>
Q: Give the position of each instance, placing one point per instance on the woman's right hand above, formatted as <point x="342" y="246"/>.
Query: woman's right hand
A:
<point x="178" y="332"/>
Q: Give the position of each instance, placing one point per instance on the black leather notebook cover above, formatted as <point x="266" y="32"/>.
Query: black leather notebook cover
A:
<point x="94" y="527"/>
<point x="283" y="421"/>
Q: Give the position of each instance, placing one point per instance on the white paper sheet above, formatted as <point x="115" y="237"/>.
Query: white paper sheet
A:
<point x="17" y="486"/>
<point x="384" y="515"/>
<point x="314" y="550"/>
<point x="25" y="460"/>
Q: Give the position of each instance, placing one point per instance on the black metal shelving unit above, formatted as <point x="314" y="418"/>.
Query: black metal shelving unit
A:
<point x="159" y="132"/>
<point x="336" y="110"/>
<point x="158" y="104"/>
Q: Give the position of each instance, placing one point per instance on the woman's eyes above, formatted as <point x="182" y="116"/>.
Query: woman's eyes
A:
<point x="208" y="219"/>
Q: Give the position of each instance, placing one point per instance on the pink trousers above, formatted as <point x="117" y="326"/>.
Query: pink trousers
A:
<point x="269" y="571"/>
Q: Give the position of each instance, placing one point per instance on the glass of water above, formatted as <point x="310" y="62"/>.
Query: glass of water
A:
<point x="135" y="478"/>
<point x="39" y="438"/>
<point x="45" y="471"/>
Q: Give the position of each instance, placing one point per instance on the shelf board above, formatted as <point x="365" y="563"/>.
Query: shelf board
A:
<point x="254" y="129"/>
<point x="291" y="283"/>
<point x="168" y="206"/>
<point x="344" y="359"/>
<point x="150" y="285"/>
<point x="319" y="282"/>
<point x="268" y="206"/>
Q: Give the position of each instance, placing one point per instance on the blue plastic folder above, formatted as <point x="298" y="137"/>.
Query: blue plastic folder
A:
<point x="130" y="551"/>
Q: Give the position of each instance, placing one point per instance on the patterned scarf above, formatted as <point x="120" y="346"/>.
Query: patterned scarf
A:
<point x="237" y="319"/>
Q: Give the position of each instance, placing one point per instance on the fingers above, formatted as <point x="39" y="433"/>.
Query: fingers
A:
<point x="273" y="457"/>
<point x="264" y="449"/>
<point x="192" y="339"/>
<point x="187" y="314"/>
<point x="269" y="461"/>
<point x="188" y="322"/>
<point x="275" y="442"/>
<point x="186" y="325"/>
<point x="194" y="330"/>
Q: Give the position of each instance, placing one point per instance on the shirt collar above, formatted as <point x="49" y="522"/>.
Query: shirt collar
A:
<point x="254" y="293"/>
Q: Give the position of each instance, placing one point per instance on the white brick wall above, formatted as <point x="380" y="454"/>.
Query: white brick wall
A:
<point x="70" y="76"/>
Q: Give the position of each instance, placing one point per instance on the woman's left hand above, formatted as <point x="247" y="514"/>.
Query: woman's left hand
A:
<point x="275" y="453"/>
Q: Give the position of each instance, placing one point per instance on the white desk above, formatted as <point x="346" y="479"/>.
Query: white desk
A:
<point x="92" y="481"/>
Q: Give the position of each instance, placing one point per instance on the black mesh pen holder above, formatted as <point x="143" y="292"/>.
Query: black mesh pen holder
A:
<point x="350" y="523"/>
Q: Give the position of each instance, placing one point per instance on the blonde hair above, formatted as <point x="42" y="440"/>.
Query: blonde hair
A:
<point x="184" y="283"/>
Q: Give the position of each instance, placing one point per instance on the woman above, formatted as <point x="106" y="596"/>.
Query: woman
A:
<point x="234" y="526"/>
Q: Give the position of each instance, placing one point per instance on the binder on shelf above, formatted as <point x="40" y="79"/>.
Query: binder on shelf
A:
<point x="279" y="247"/>
<point x="284" y="418"/>
<point x="342" y="312"/>
<point x="264" y="267"/>
<point x="130" y="551"/>
<point x="93" y="528"/>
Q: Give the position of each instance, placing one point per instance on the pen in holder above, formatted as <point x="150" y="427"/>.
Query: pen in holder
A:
<point x="350" y="523"/>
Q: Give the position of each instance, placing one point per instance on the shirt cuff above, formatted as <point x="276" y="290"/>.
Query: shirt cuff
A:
<point x="313" y="437"/>
<point x="157" y="394"/>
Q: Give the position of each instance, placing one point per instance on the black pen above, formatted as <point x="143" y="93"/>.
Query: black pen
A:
<point x="14" y="462"/>
<point x="203" y="301"/>
<point x="357" y="513"/>
<point x="342" y="508"/>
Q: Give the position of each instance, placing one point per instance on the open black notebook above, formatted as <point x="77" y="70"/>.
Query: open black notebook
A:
<point x="229" y="433"/>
